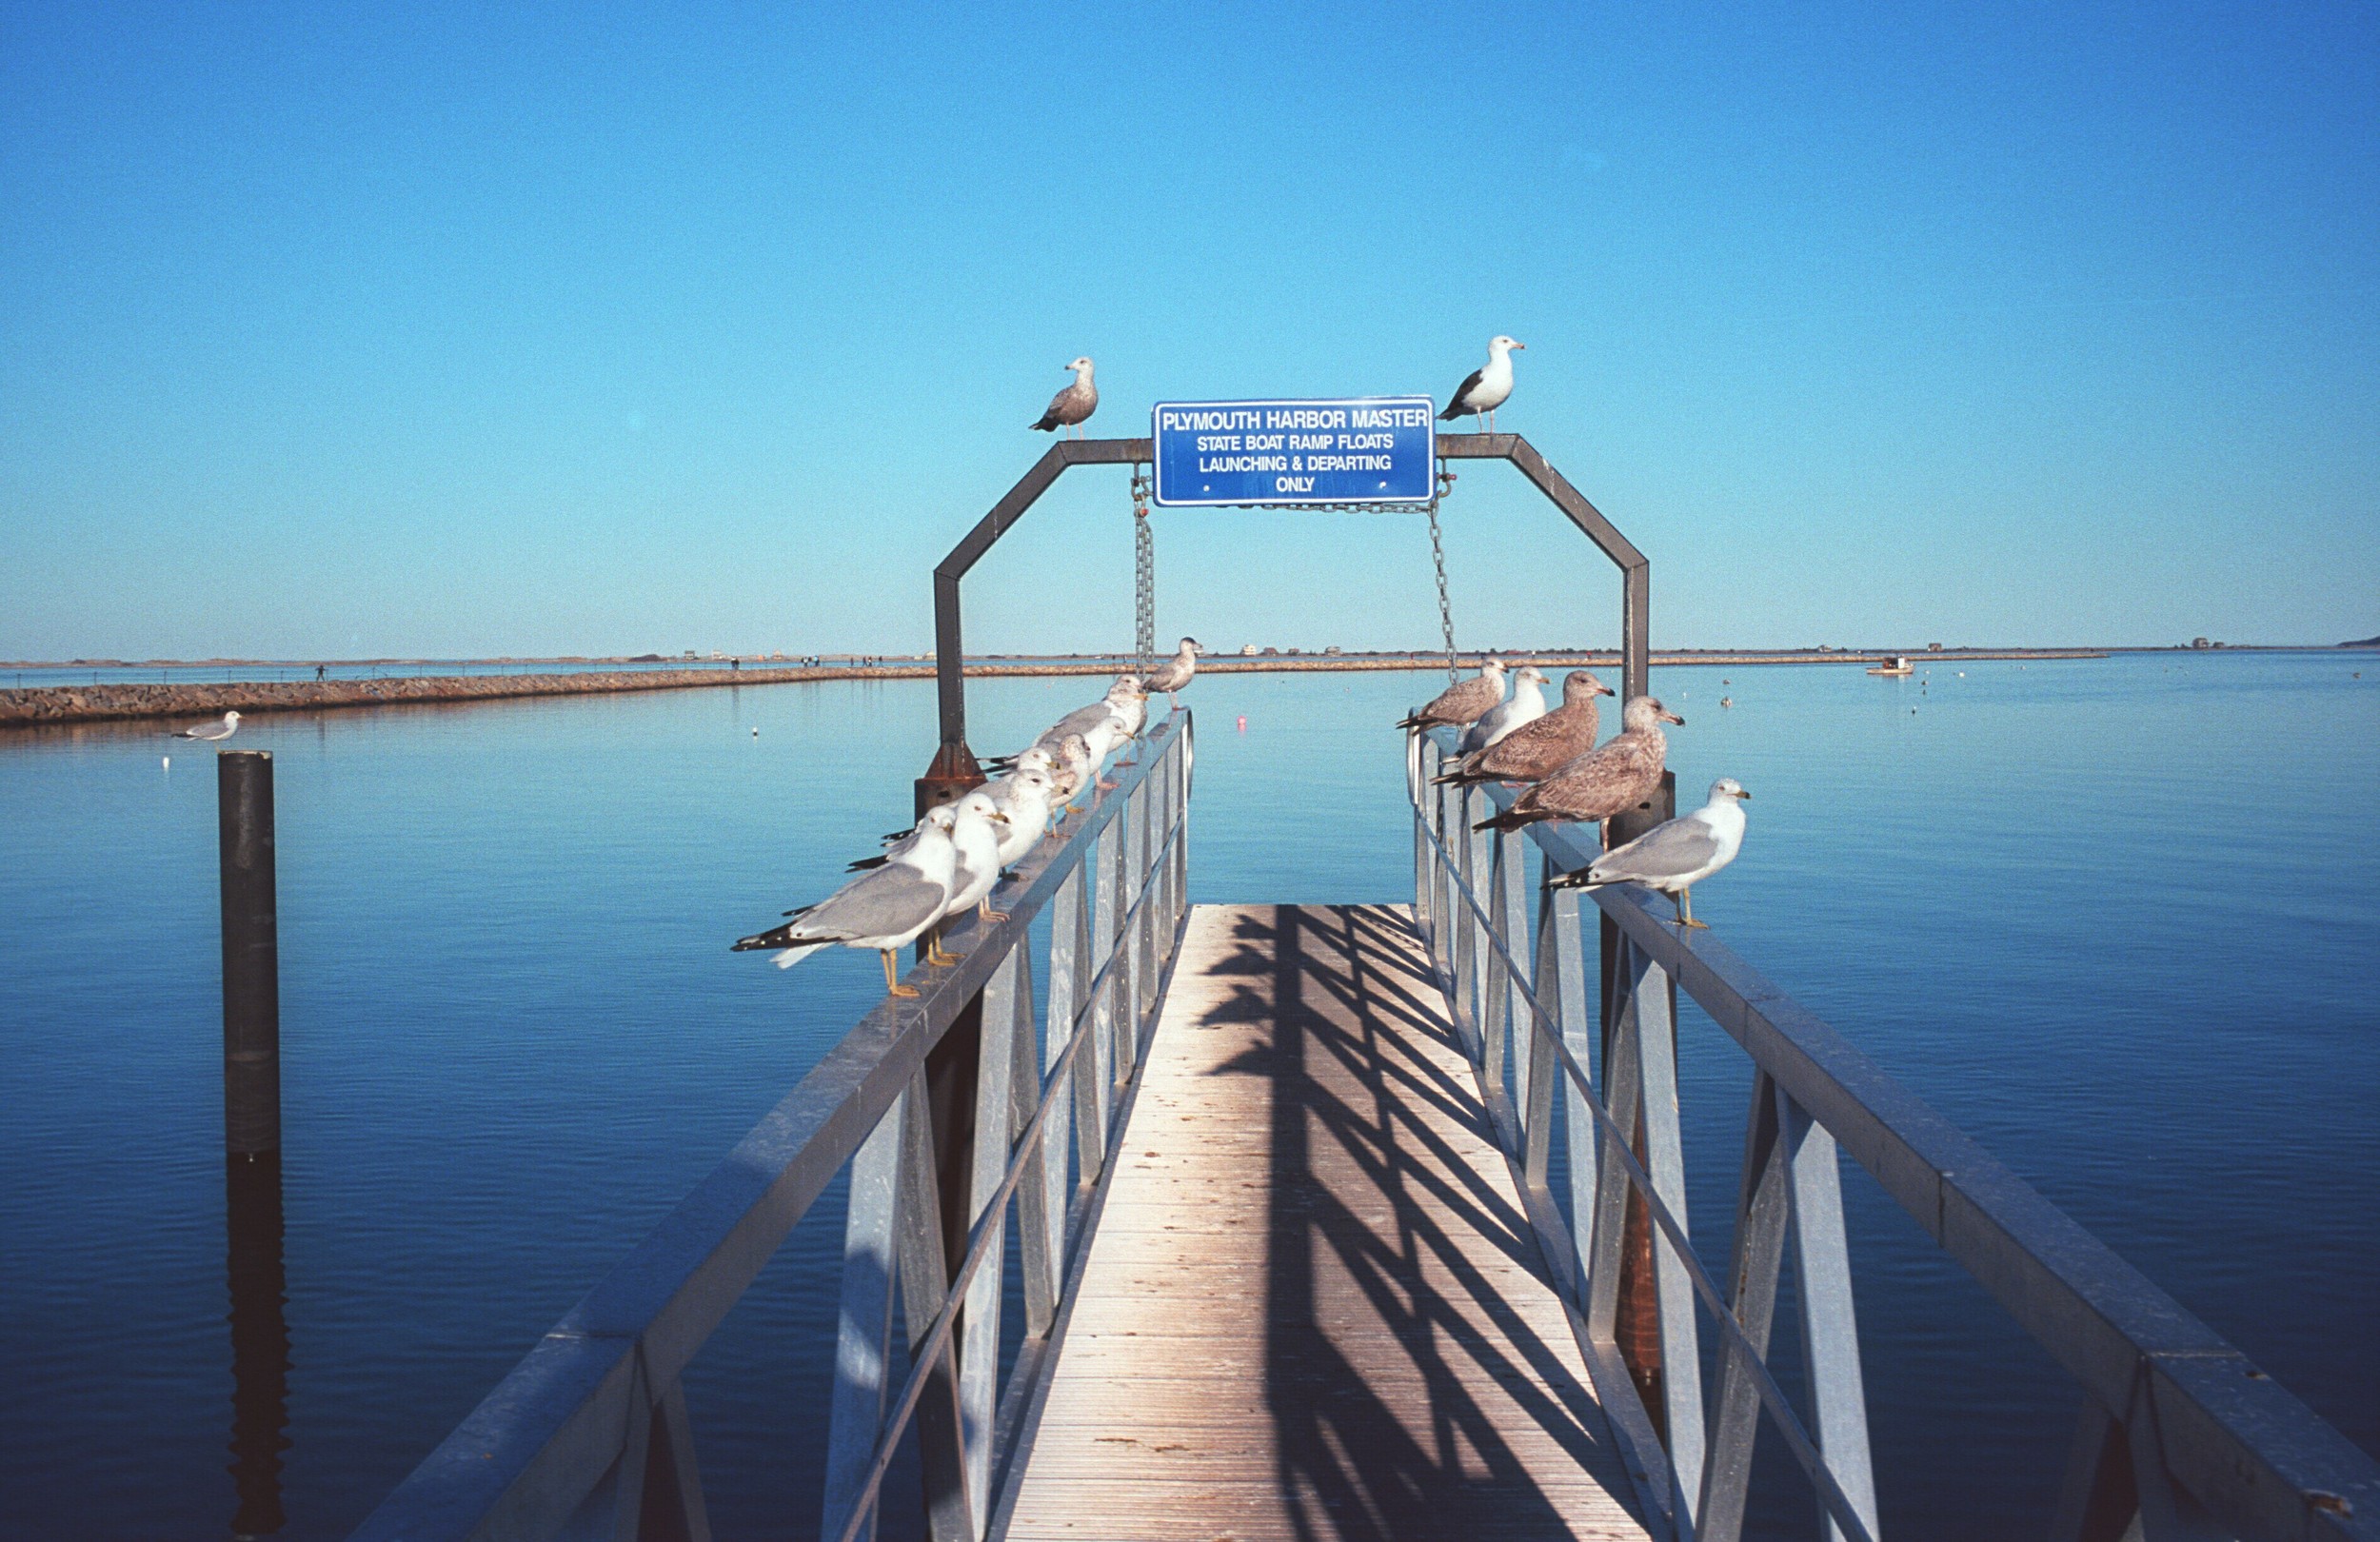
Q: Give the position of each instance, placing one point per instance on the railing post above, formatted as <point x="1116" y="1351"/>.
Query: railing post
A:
<point x="1759" y="1249"/>
<point x="1495" y="997"/>
<point x="979" y="1351"/>
<point x="1830" y="1334"/>
<point x="1071" y="930"/>
<point x="1681" y="1365"/>
<point x="1041" y="1188"/>
<point x="1512" y="928"/>
<point x="864" y="1335"/>
<point x="924" y="1254"/>
<point x="1585" y="1139"/>
<point x="1540" y="1071"/>
<point x="1635" y="1329"/>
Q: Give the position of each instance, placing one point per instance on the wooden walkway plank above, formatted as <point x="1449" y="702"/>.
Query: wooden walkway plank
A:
<point x="1312" y="1307"/>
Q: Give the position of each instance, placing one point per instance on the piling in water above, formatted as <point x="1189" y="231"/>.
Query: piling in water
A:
<point x="251" y="958"/>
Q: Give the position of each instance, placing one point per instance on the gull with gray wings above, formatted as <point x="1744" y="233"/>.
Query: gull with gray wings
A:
<point x="1674" y="855"/>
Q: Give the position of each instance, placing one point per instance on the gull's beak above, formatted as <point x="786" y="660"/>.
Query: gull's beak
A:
<point x="1667" y="716"/>
<point x="1520" y="344"/>
<point x="1742" y="796"/>
<point x="1601" y="689"/>
<point x="999" y="818"/>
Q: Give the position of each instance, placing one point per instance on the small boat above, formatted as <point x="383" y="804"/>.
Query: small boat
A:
<point x="1900" y="665"/>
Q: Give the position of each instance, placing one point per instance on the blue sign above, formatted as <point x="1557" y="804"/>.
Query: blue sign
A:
<point x="1361" y="449"/>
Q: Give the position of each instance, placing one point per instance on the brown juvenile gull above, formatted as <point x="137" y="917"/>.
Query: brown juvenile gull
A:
<point x="1073" y="406"/>
<point x="1543" y="747"/>
<point x="1603" y="782"/>
<point x="1463" y="702"/>
<point x="1483" y="390"/>
<point x="1176" y="672"/>
<point x="1674" y="855"/>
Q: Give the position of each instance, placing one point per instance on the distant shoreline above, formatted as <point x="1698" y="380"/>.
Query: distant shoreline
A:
<point x="58" y="706"/>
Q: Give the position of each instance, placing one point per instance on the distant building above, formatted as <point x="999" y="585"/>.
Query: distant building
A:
<point x="1934" y="647"/>
<point x="691" y="654"/>
<point x="2200" y="642"/>
<point x="1334" y="650"/>
<point x="1247" y="650"/>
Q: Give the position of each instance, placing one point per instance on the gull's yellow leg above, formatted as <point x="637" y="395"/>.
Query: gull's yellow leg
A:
<point x="1686" y="910"/>
<point x="892" y="981"/>
<point x="984" y="908"/>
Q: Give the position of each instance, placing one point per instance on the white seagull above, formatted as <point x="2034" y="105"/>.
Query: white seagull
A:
<point x="977" y="827"/>
<point x="1484" y="391"/>
<point x="1526" y="706"/>
<point x="1675" y="856"/>
<point x="1073" y="406"/>
<point x="212" y="731"/>
<point x="886" y="909"/>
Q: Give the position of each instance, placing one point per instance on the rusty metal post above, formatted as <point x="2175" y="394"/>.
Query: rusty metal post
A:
<point x="1637" y="1328"/>
<point x="252" y="958"/>
<point x="260" y="1339"/>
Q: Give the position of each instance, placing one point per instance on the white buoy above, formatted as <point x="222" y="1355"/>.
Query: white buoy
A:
<point x="168" y="759"/>
<point x="756" y="733"/>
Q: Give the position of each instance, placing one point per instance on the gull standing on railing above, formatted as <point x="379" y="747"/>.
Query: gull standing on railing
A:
<point x="1173" y="675"/>
<point x="886" y="909"/>
<point x="212" y="732"/>
<point x="1605" y="781"/>
<point x="1463" y="702"/>
<point x="1543" y="747"/>
<point x="975" y="828"/>
<point x="1526" y="706"/>
<point x="1073" y="767"/>
<point x="1674" y="855"/>
<point x="1023" y="798"/>
<point x="1073" y="406"/>
<point x="1483" y="390"/>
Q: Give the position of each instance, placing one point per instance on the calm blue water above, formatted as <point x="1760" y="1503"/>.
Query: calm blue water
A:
<point x="2118" y="919"/>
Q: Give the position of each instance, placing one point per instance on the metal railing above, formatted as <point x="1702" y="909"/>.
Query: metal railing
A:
<point x="2180" y="1435"/>
<point x="589" y="1434"/>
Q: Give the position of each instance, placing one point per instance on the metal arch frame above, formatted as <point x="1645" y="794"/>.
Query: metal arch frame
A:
<point x="954" y="766"/>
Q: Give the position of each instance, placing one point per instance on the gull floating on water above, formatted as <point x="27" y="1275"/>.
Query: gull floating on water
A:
<point x="213" y="732"/>
<point x="1605" y="781"/>
<point x="1674" y="855"/>
<point x="1171" y="676"/>
<point x="1539" y="748"/>
<point x="1483" y="390"/>
<point x="886" y="909"/>
<point x="1526" y="706"/>
<point x="1463" y="702"/>
<point x="1073" y="406"/>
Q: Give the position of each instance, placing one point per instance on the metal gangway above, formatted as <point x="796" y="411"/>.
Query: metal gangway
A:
<point x="1343" y="1221"/>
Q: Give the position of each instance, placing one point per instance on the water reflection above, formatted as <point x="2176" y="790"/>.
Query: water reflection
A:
<point x="260" y="1339"/>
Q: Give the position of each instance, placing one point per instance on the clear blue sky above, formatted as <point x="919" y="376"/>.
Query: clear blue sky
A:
<point x="410" y="330"/>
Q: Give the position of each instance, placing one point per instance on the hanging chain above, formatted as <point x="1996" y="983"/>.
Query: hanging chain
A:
<point x="1144" y="576"/>
<point x="1438" y="556"/>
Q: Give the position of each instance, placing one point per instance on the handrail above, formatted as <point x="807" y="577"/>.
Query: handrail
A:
<point x="1803" y="1445"/>
<point x="2175" y="1417"/>
<point x="592" y="1420"/>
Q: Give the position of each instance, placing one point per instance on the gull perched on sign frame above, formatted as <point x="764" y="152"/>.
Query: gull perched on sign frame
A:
<point x="1483" y="390"/>
<point x="1073" y="406"/>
